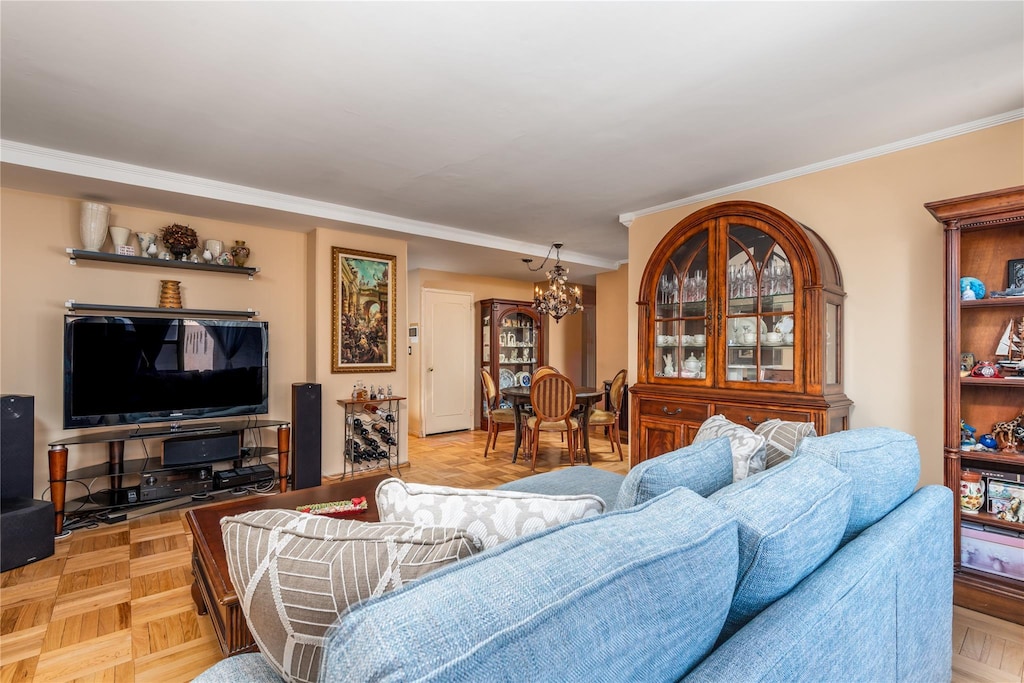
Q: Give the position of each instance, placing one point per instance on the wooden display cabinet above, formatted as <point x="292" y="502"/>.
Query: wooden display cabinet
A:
<point x="511" y="342"/>
<point x="740" y="313"/>
<point x="982" y="232"/>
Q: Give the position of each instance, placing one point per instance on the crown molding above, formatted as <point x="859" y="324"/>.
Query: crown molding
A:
<point x="627" y="218"/>
<point x="97" y="168"/>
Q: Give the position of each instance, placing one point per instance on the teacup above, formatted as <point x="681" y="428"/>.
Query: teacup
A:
<point x="699" y="339"/>
<point x="773" y="337"/>
<point x="687" y="339"/>
<point x="749" y="337"/>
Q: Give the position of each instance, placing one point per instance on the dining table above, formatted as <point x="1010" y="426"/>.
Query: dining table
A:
<point x="519" y="397"/>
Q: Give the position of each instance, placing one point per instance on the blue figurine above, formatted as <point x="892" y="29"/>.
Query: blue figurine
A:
<point x="988" y="441"/>
<point x="967" y="441"/>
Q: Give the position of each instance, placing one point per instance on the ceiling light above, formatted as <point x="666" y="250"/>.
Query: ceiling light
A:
<point x="559" y="299"/>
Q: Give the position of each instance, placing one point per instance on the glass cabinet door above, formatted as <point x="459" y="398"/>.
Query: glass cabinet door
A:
<point x="760" y="324"/>
<point x="517" y="349"/>
<point x="681" y="312"/>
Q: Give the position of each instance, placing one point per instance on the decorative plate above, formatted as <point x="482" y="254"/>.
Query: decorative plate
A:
<point x="740" y="326"/>
<point x="524" y="378"/>
<point x="506" y="378"/>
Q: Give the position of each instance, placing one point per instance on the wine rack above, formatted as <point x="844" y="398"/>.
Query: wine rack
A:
<point x="372" y="434"/>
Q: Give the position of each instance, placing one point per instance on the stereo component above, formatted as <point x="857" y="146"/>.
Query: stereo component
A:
<point x="170" y="483"/>
<point x="243" y="476"/>
<point x="199" y="450"/>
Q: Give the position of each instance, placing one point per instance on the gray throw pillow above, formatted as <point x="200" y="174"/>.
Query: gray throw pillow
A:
<point x="782" y="438"/>
<point x="295" y="573"/>
<point x="748" y="451"/>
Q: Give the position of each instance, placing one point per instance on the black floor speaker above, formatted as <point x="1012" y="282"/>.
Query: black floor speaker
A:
<point x="17" y="436"/>
<point x="306" y="435"/>
<point x="26" y="531"/>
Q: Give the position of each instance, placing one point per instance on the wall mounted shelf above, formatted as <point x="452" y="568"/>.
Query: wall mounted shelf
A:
<point x="82" y="254"/>
<point x="73" y="306"/>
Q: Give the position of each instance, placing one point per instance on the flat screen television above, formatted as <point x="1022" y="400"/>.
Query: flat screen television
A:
<point x="124" y="370"/>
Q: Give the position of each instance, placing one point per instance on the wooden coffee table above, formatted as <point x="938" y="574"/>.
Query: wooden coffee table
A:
<point x="212" y="589"/>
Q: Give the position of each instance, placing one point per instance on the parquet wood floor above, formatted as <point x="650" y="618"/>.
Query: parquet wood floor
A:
<point x="114" y="604"/>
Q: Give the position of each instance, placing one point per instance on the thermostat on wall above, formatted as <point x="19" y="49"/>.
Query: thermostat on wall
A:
<point x="414" y="334"/>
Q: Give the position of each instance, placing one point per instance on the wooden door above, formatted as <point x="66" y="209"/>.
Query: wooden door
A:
<point x="449" y="380"/>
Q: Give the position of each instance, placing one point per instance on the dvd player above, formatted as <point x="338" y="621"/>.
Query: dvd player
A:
<point x="242" y="476"/>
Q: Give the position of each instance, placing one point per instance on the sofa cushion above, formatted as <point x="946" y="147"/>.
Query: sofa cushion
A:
<point x="585" y="601"/>
<point x="492" y="516"/>
<point x="791" y="519"/>
<point x="781" y="439"/>
<point x="570" y="481"/>
<point x="748" y="452"/>
<point x="884" y="464"/>
<point x="701" y="467"/>
<point x="295" y="573"/>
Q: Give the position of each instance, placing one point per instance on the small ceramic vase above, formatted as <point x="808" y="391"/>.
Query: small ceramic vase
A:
<point x="147" y="243"/>
<point x="119" y="235"/>
<point x="215" y="247"/>
<point x="240" y="252"/>
<point x="170" y="294"/>
<point x="93" y="225"/>
<point x="972" y="492"/>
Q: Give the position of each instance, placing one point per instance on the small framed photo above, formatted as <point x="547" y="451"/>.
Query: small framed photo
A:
<point x="966" y="363"/>
<point x="1015" y="273"/>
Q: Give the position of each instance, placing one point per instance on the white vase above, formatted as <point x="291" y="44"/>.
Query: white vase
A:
<point x="119" y="235"/>
<point x="215" y="247"/>
<point x="93" y="226"/>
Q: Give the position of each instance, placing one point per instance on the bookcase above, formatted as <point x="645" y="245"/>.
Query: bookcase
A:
<point x="984" y="235"/>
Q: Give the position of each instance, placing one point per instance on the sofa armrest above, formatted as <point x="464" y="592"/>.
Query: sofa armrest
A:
<point x="881" y="608"/>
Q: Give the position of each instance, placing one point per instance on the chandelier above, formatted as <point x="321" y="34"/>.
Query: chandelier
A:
<point x="559" y="299"/>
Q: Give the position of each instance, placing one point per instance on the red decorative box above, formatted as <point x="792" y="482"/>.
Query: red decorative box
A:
<point x="337" y="508"/>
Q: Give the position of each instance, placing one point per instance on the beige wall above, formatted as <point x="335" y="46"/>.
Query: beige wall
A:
<point x="35" y="230"/>
<point x="890" y="251"/>
<point x="612" y="330"/>
<point x="335" y="386"/>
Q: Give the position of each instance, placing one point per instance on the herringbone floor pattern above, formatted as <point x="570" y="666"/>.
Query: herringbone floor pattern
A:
<point x="114" y="603"/>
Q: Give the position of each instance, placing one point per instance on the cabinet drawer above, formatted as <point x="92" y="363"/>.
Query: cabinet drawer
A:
<point x="751" y="416"/>
<point x="687" y="412"/>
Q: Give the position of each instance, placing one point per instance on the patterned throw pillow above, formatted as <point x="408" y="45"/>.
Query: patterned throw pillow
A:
<point x="492" y="516"/>
<point x="782" y="438"/>
<point x="296" y="573"/>
<point x="748" y="451"/>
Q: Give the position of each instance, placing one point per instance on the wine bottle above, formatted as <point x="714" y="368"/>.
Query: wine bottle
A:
<point x="390" y="417"/>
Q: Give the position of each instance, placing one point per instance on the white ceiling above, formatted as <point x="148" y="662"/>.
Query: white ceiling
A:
<point x="467" y="127"/>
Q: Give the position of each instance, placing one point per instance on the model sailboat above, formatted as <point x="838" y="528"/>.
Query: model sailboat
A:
<point x="1011" y="347"/>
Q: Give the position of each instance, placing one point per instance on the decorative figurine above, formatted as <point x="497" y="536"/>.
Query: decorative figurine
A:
<point x="967" y="441"/>
<point x="1007" y="434"/>
<point x="670" y="368"/>
<point x="988" y="441"/>
<point x="986" y="370"/>
<point x="971" y="288"/>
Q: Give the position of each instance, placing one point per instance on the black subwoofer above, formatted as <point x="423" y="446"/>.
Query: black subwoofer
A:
<point x="26" y="531"/>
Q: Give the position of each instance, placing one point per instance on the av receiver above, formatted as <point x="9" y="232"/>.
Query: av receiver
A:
<point x="161" y="484"/>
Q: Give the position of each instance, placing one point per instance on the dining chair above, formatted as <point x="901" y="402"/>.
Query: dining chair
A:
<point x="544" y="370"/>
<point x="553" y="397"/>
<point x="495" y="416"/>
<point x="609" y="419"/>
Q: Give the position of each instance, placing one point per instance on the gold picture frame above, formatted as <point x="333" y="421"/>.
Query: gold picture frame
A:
<point x="363" y="315"/>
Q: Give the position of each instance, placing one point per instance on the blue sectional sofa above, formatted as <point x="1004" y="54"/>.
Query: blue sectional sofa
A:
<point x="828" y="567"/>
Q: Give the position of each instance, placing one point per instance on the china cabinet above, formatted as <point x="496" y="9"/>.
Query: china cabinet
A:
<point x="511" y="342"/>
<point x="740" y="314"/>
<point x="984" y="233"/>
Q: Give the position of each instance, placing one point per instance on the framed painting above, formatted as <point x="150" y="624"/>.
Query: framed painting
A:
<point x="1015" y="273"/>
<point x="362" y="311"/>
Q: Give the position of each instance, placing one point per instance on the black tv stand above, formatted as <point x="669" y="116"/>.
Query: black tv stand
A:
<point x="115" y="470"/>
